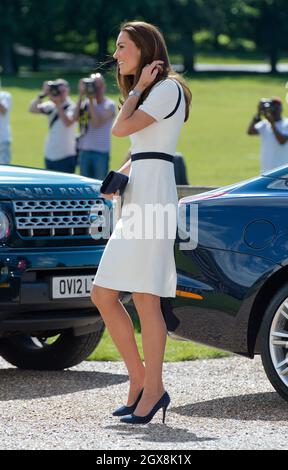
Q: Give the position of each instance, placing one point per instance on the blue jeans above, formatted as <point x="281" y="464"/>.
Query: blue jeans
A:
<point x="65" y="165"/>
<point x="5" y="153"/>
<point x="94" y="164"/>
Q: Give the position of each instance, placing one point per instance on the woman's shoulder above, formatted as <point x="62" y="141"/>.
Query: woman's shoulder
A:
<point x="162" y="99"/>
<point x="165" y="87"/>
<point x="169" y="83"/>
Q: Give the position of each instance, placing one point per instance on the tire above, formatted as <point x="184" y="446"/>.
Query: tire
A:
<point x="274" y="347"/>
<point x="27" y="352"/>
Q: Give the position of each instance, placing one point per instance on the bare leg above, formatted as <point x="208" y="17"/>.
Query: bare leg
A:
<point x="120" y="327"/>
<point x="154" y="334"/>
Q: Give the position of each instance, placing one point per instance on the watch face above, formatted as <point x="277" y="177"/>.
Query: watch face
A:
<point x="134" y="93"/>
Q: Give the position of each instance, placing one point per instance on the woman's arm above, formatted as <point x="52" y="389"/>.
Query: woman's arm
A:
<point x="128" y="120"/>
<point x="126" y="167"/>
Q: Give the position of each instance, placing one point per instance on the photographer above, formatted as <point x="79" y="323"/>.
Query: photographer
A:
<point x="95" y="113"/>
<point x="273" y="130"/>
<point x="60" y="147"/>
<point x="5" y="130"/>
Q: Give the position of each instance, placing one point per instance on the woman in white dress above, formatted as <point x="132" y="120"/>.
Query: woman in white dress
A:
<point x="136" y="259"/>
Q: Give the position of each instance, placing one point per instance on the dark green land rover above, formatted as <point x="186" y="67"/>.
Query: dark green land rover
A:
<point x="53" y="230"/>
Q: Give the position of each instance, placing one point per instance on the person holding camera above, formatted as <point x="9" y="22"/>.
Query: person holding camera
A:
<point x="273" y="130"/>
<point x="5" y="129"/>
<point x="60" y="146"/>
<point x="95" y="113"/>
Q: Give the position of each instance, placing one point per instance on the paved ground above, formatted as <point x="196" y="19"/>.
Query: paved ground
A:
<point x="258" y="68"/>
<point x="215" y="404"/>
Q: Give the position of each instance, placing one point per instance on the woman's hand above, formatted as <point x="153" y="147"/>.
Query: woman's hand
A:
<point x="110" y="196"/>
<point x="148" y="74"/>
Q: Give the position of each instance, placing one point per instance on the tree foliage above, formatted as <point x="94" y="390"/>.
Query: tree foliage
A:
<point x="90" y="26"/>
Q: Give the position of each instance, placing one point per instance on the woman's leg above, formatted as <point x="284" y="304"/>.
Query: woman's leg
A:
<point x="154" y="334"/>
<point x="120" y="327"/>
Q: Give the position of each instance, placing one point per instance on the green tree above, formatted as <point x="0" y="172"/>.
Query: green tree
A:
<point x="100" y="17"/>
<point x="263" y="21"/>
<point x="8" y="20"/>
<point x="40" y="21"/>
<point x="270" y="28"/>
<point x="215" y="14"/>
<point x="185" y="19"/>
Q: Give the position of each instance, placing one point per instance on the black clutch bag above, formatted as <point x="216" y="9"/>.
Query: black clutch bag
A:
<point x="113" y="182"/>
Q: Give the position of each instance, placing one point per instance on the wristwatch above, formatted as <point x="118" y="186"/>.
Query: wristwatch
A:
<point x="134" y="93"/>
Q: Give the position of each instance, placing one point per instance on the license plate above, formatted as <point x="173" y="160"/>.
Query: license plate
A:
<point x="71" y="286"/>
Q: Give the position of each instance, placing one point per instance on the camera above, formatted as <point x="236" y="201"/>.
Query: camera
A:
<point x="266" y="104"/>
<point x="54" y="88"/>
<point x="90" y="86"/>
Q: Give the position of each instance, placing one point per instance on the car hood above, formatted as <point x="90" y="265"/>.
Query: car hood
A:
<point x="30" y="183"/>
<point x="280" y="172"/>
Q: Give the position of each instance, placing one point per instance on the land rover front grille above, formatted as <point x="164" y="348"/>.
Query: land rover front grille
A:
<point x="59" y="218"/>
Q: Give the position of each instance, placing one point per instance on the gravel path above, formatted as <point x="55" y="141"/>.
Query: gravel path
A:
<point x="215" y="404"/>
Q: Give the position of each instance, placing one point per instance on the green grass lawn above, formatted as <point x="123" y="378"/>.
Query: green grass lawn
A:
<point x="175" y="350"/>
<point x="214" y="142"/>
<point x="230" y="57"/>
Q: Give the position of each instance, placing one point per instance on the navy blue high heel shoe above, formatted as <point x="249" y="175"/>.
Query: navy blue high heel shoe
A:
<point x="127" y="410"/>
<point x="162" y="403"/>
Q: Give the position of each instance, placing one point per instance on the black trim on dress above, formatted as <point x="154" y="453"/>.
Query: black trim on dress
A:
<point x="157" y="155"/>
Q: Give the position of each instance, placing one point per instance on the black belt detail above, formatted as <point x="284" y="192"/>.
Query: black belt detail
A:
<point x="151" y="155"/>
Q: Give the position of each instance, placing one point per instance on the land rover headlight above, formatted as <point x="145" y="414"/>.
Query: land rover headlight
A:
<point x="4" y="226"/>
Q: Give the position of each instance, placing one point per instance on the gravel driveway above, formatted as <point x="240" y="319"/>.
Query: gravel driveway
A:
<point x="215" y="404"/>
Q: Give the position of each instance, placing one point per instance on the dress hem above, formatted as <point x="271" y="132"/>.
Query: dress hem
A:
<point x="107" y="285"/>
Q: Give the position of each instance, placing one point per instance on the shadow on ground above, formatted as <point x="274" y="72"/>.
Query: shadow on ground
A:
<point x="158" y="433"/>
<point x="259" y="406"/>
<point x="26" y="384"/>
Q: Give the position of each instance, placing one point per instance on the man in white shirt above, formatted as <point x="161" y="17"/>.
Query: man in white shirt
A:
<point x="95" y="113"/>
<point x="273" y="130"/>
<point x="5" y="129"/>
<point x="60" y="146"/>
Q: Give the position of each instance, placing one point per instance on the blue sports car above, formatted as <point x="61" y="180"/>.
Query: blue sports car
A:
<point x="232" y="286"/>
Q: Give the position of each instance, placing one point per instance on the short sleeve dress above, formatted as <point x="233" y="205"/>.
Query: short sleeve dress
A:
<point x="139" y="256"/>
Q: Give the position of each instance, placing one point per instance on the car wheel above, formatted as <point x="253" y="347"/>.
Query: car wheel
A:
<point x="50" y="353"/>
<point x="274" y="342"/>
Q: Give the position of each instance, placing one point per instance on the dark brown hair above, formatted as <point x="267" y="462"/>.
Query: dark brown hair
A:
<point x="150" y="41"/>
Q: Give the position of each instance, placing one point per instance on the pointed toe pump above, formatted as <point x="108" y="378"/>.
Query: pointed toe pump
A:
<point x="127" y="410"/>
<point x="162" y="403"/>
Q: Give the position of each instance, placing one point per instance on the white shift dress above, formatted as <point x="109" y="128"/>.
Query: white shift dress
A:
<point x="139" y="256"/>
